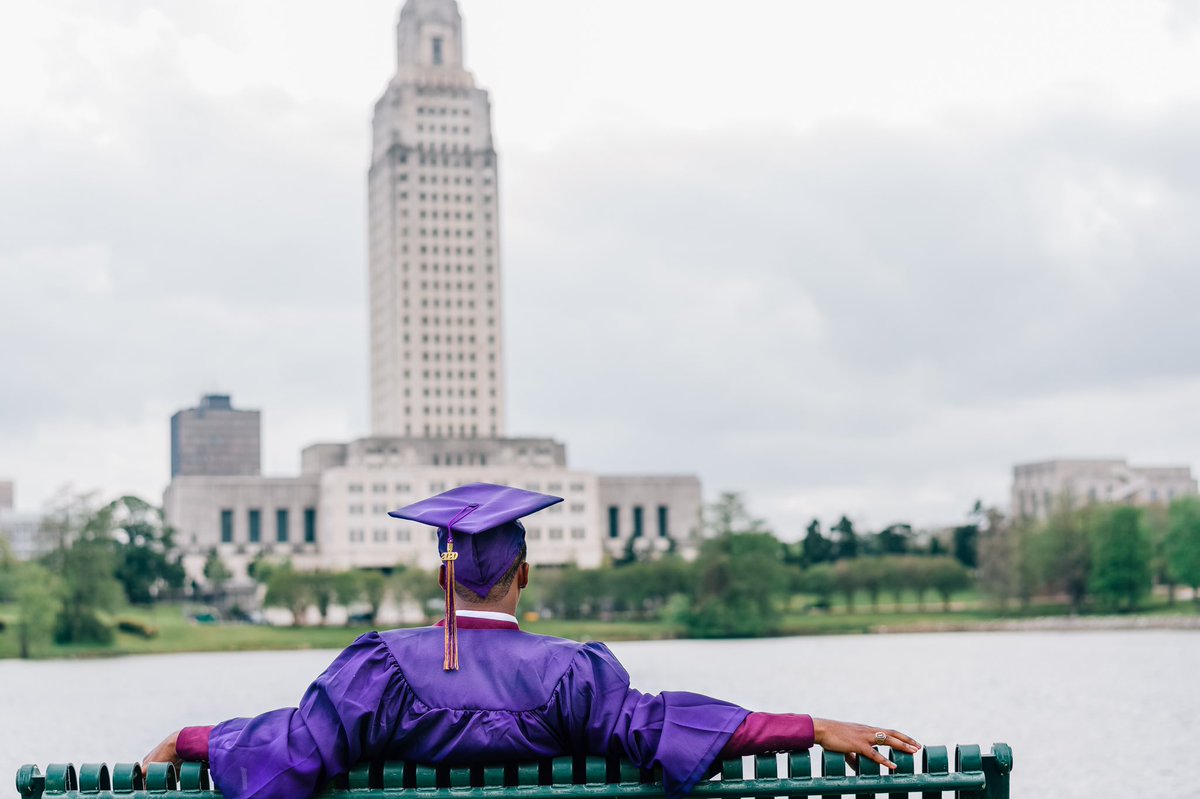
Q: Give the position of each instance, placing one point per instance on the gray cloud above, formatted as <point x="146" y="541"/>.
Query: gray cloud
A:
<point x="856" y="317"/>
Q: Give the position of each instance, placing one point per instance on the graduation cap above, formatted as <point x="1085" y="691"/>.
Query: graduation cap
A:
<point x="485" y="519"/>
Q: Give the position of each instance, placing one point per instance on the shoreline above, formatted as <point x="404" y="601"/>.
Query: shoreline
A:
<point x="186" y="638"/>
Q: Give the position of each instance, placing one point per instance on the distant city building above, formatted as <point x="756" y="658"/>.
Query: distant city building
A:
<point x="434" y="245"/>
<point x="21" y="531"/>
<point x="1038" y="488"/>
<point x="216" y="439"/>
<point x="436" y="367"/>
<point x="334" y="515"/>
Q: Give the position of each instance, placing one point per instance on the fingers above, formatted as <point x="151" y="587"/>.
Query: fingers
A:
<point x="903" y="738"/>
<point x="852" y="761"/>
<point x="874" y="754"/>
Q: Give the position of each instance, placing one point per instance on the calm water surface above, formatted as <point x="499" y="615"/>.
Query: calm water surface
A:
<point x="1087" y="713"/>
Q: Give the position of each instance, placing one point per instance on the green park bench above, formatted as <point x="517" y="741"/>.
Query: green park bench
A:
<point x="974" y="776"/>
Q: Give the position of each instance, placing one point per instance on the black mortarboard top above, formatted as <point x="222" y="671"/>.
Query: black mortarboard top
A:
<point x="485" y="517"/>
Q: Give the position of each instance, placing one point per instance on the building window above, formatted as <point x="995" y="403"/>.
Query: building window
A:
<point x="254" y="516"/>
<point x="556" y="533"/>
<point x="437" y="51"/>
<point x="226" y="526"/>
<point x="662" y="521"/>
<point x="637" y="521"/>
<point x="577" y="533"/>
<point x="281" y="525"/>
<point x="614" y="521"/>
<point x="310" y="525"/>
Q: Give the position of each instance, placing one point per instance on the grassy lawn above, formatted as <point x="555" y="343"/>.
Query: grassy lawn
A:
<point x="176" y="633"/>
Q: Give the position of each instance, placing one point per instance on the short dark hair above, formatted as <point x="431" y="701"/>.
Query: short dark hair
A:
<point x="499" y="589"/>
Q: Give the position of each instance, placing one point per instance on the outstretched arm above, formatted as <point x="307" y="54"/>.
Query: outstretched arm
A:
<point x="762" y="733"/>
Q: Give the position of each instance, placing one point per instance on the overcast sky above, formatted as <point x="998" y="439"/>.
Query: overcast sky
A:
<point x="850" y="257"/>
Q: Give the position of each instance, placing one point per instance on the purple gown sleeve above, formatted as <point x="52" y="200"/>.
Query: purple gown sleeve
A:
<point x="678" y="731"/>
<point x="348" y="714"/>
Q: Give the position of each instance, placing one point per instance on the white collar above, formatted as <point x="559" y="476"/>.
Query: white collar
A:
<point x="488" y="614"/>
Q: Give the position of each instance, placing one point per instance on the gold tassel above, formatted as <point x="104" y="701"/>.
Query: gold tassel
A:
<point x="450" y="660"/>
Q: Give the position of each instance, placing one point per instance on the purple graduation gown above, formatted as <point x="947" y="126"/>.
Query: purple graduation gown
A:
<point x="516" y="697"/>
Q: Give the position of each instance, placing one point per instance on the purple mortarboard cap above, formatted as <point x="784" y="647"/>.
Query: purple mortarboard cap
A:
<point x="481" y="520"/>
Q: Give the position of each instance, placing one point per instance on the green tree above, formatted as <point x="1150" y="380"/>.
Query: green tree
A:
<point x="1065" y="554"/>
<point x="1121" y="557"/>
<point x="374" y="589"/>
<point x="894" y="539"/>
<point x="895" y="578"/>
<point x="966" y="545"/>
<point x="948" y="577"/>
<point x="846" y="578"/>
<point x="348" y="587"/>
<point x="872" y="578"/>
<point x="147" y="561"/>
<point x="288" y="588"/>
<point x="1183" y="543"/>
<point x="84" y="558"/>
<point x="322" y="588"/>
<point x="8" y="572"/>
<point x="729" y="514"/>
<point x="36" y="594"/>
<point x="845" y="539"/>
<point x="418" y="586"/>
<point x="215" y="571"/>
<point x="741" y="583"/>
<point x="920" y="577"/>
<point x="819" y="582"/>
<point x="815" y="548"/>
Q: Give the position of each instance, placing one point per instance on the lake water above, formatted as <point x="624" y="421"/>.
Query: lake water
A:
<point x="1089" y="714"/>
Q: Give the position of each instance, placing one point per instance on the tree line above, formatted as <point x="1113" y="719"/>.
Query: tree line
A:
<point x="99" y="558"/>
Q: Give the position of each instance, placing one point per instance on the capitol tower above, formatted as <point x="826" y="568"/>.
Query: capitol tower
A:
<point x="437" y="374"/>
<point x="434" y="251"/>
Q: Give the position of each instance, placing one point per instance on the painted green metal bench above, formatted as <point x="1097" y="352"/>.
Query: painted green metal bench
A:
<point x="974" y="775"/>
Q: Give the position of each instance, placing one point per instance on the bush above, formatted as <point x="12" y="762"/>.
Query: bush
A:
<point x="135" y="627"/>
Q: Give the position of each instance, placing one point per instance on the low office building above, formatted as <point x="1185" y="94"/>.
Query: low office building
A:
<point x="1038" y="488"/>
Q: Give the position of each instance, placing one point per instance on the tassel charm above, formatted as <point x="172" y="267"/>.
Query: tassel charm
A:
<point x="450" y="660"/>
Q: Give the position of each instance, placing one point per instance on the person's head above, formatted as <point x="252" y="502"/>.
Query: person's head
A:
<point x="504" y="594"/>
<point x="482" y="545"/>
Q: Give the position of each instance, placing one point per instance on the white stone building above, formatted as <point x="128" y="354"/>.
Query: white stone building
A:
<point x="436" y="368"/>
<point x="1038" y="488"/>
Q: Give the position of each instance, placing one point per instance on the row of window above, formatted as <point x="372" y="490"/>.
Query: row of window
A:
<point x="381" y="535"/>
<point x="450" y="410"/>
<point x="421" y="128"/>
<point x="446" y="233"/>
<point x="614" y="521"/>
<point x="254" y="529"/>
<point x="449" y="432"/>
<point x="556" y="533"/>
<point x="423" y="110"/>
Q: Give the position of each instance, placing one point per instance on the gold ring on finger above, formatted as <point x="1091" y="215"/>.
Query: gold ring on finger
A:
<point x="880" y="737"/>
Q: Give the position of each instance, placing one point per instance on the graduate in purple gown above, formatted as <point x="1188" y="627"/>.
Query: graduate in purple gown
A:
<point x="476" y="689"/>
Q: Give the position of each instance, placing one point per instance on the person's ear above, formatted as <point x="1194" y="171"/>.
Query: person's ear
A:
<point x="523" y="575"/>
<point x="442" y="577"/>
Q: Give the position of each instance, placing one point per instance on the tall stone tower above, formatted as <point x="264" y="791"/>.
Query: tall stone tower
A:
<point x="437" y="366"/>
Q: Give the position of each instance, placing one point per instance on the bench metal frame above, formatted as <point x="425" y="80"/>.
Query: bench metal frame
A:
<point x="975" y="776"/>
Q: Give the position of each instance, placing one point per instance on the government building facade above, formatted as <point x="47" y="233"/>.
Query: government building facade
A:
<point x="436" y="370"/>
